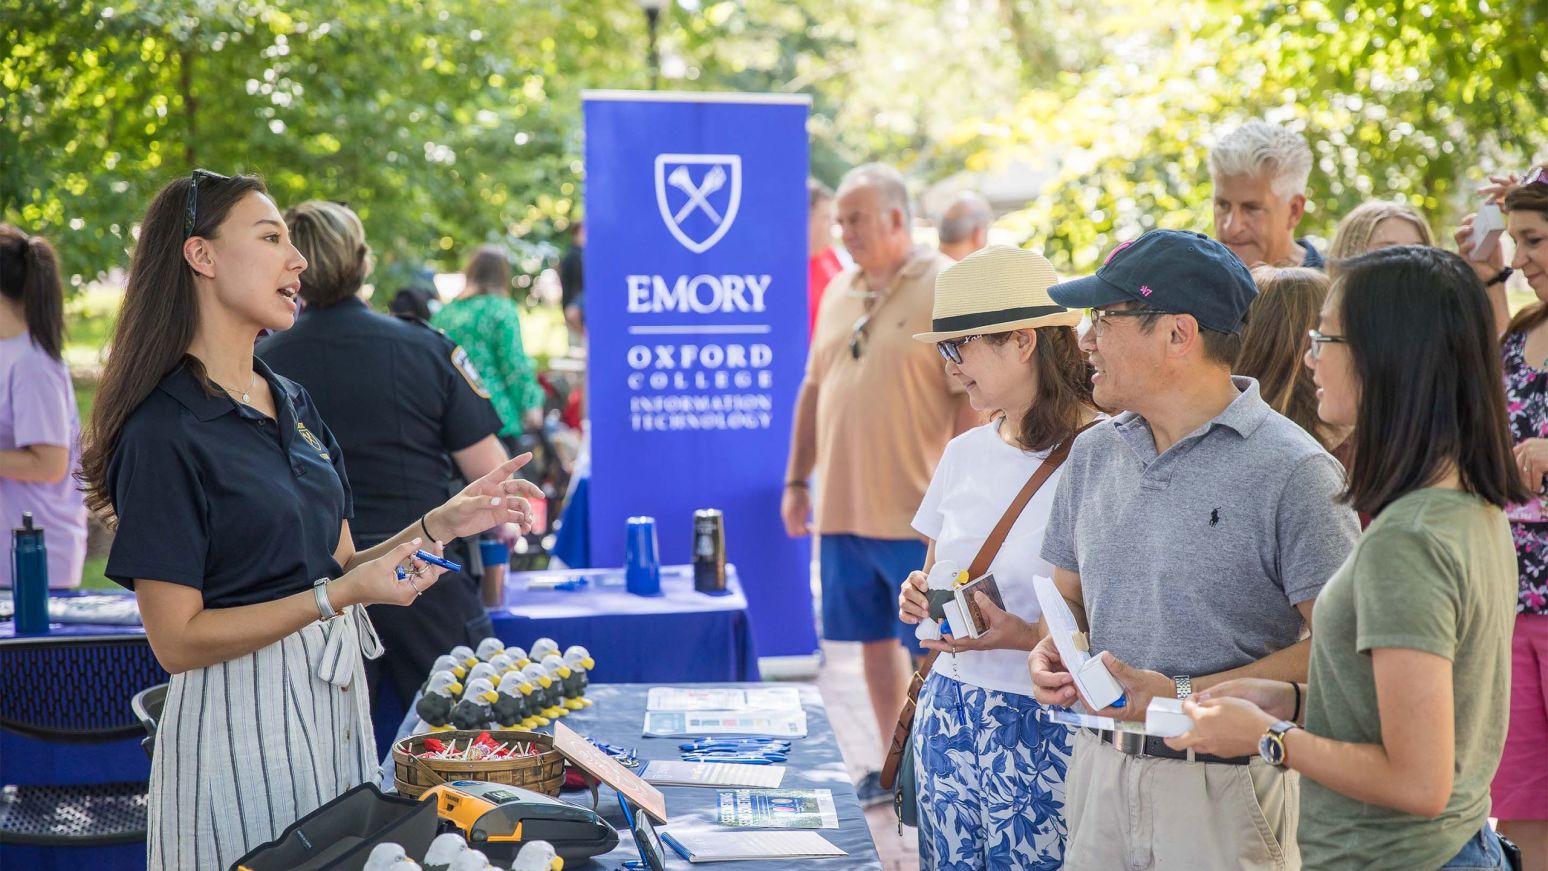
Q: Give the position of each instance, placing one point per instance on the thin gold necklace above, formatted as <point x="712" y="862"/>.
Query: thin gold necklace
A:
<point x="246" y="400"/>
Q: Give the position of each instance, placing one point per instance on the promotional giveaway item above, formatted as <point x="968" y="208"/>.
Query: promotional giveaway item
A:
<point x="940" y="590"/>
<point x="1096" y="685"/>
<point x="1164" y="718"/>
<point x="1488" y="224"/>
<point x="709" y="552"/>
<point x="498" y="819"/>
<point x="642" y="561"/>
<point x="29" y="571"/>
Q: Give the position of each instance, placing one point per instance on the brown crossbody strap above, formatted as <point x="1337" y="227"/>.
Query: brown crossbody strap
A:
<point x="986" y="554"/>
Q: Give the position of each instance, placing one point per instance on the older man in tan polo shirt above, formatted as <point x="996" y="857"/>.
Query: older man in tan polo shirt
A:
<point x="874" y="413"/>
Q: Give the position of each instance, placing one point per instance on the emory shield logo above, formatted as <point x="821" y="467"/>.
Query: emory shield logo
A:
<point x="698" y="195"/>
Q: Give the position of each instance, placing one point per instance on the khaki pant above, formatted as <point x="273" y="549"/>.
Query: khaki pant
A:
<point x="1129" y="813"/>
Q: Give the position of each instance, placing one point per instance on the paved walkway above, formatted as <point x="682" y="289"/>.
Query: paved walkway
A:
<point x="849" y="708"/>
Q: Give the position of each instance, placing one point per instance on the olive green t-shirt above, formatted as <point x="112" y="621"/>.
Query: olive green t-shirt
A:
<point x="1435" y="572"/>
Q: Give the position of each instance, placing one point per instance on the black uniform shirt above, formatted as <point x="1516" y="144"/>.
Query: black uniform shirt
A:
<point x="219" y="497"/>
<point x="399" y="395"/>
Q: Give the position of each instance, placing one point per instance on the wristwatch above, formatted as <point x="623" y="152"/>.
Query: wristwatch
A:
<point x="1272" y="745"/>
<point x="1184" y="685"/>
<point x="325" y="609"/>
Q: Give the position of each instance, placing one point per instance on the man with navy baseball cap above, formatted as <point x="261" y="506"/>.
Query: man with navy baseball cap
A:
<point x="1190" y="534"/>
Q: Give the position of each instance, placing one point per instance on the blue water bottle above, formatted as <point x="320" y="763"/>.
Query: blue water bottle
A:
<point x="642" y="563"/>
<point x="29" y="578"/>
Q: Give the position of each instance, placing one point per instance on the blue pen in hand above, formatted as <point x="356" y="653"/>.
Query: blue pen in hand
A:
<point x="434" y="560"/>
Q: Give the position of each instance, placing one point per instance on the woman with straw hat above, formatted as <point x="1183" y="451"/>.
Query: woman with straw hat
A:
<point x="990" y="770"/>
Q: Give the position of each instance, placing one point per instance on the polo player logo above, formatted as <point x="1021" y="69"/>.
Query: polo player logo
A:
<point x="698" y="196"/>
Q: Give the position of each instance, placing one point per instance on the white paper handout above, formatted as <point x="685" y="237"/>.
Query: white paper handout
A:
<point x="720" y="846"/>
<point x="669" y="772"/>
<point x="775" y="724"/>
<point x="1092" y="679"/>
<point x="723" y="699"/>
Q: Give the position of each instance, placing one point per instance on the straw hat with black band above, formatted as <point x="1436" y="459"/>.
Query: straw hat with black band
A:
<point x="995" y="290"/>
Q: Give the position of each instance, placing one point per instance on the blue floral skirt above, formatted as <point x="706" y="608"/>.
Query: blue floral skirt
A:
<point x="991" y="780"/>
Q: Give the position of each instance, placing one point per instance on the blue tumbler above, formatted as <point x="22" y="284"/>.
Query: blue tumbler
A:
<point x="29" y="578"/>
<point x="642" y="560"/>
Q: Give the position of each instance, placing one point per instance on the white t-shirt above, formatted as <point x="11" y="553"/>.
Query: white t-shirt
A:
<point x="978" y="476"/>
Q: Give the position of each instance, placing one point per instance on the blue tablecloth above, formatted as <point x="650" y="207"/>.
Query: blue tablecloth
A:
<point x="815" y="763"/>
<point x="711" y="637"/>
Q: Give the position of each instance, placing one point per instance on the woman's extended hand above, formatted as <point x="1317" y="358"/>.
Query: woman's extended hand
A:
<point x="375" y="582"/>
<point x="493" y="499"/>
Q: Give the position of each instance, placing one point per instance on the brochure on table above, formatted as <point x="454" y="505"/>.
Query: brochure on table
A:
<point x="772" y="711"/>
<point x="778" y="808"/>
<point x="699" y="845"/>
<point x="667" y="772"/>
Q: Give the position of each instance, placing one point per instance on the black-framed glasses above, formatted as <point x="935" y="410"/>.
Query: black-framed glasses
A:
<point x="951" y="349"/>
<point x="858" y="336"/>
<point x="1099" y="316"/>
<point x="191" y="213"/>
<point x="1318" y="339"/>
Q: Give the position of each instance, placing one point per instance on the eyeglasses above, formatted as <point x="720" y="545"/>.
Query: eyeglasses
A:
<point x="1318" y="340"/>
<point x="191" y="213"/>
<point x="1099" y="316"/>
<point x="858" y="336"/>
<point x="1538" y="175"/>
<point x="951" y="349"/>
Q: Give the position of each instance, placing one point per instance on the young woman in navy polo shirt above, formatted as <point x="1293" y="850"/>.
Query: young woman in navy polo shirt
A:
<point x="232" y="509"/>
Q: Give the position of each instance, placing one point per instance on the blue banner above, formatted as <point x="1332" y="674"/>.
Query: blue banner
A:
<point x="697" y="329"/>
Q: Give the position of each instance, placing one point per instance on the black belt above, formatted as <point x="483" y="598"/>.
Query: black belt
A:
<point x="1148" y="745"/>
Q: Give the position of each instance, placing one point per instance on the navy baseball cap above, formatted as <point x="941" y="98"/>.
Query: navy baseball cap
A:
<point x="1176" y="271"/>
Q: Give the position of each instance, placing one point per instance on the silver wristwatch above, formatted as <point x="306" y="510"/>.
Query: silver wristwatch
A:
<point x="1184" y="685"/>
<point x="325" y="609"/>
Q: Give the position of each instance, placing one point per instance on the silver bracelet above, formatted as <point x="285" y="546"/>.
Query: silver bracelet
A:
<point x="325" y="609"/>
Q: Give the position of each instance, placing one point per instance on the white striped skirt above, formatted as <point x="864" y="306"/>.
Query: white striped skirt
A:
<point x="245" y="748"/>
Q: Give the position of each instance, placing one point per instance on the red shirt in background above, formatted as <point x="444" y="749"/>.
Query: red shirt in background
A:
<point x="819" y="271"/>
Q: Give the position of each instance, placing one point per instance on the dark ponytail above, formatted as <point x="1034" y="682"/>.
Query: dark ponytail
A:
<point x="29" y="272"/>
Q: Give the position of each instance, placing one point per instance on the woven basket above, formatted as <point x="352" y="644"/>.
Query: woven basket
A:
<point x="543" y="772"/>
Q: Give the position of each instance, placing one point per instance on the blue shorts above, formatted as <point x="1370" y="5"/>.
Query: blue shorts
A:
<point x="860" y="582"/>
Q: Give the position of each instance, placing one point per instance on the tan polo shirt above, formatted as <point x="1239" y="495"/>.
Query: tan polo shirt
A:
<point x="882" y="420"/>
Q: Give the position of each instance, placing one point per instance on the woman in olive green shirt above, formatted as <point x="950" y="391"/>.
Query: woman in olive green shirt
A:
<point x="1408" y="686"/>
<point x="484" y="320"/>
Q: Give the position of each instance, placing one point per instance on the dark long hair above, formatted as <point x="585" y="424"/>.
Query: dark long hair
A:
<point x="1275" y="341"/>
<point x="1528" y="198"/>
<point x="29" y="271"/>
<point x="1063" y="388"/>
<point x="157" y="321"/>
<point x="1421" y="334"/>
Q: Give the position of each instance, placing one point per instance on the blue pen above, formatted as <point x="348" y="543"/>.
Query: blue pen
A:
<point x="434" y="560"/>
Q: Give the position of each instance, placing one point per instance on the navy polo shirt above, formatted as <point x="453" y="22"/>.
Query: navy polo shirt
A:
<point x="219" y="497"/>
<point x="400" y="396"/>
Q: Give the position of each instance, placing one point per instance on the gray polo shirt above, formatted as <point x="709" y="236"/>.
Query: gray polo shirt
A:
<point x="1192" y="562"/>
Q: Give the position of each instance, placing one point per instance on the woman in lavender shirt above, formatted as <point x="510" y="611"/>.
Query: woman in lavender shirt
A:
<point x="39" y="425"/>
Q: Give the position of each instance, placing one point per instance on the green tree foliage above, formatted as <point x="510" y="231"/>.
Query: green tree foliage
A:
<point x="446" y="123"/>
<point x="1399" y="100"/>
<point x="443" y="123"/>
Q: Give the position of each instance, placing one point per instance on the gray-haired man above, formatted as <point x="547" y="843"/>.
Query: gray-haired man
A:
<point x="1260" y="172"/>
<point x="964" y="226"/>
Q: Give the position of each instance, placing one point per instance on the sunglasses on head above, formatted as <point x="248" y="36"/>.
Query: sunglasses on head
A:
<point x="191" y="213"/>
<point x="1538" y="175"/>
